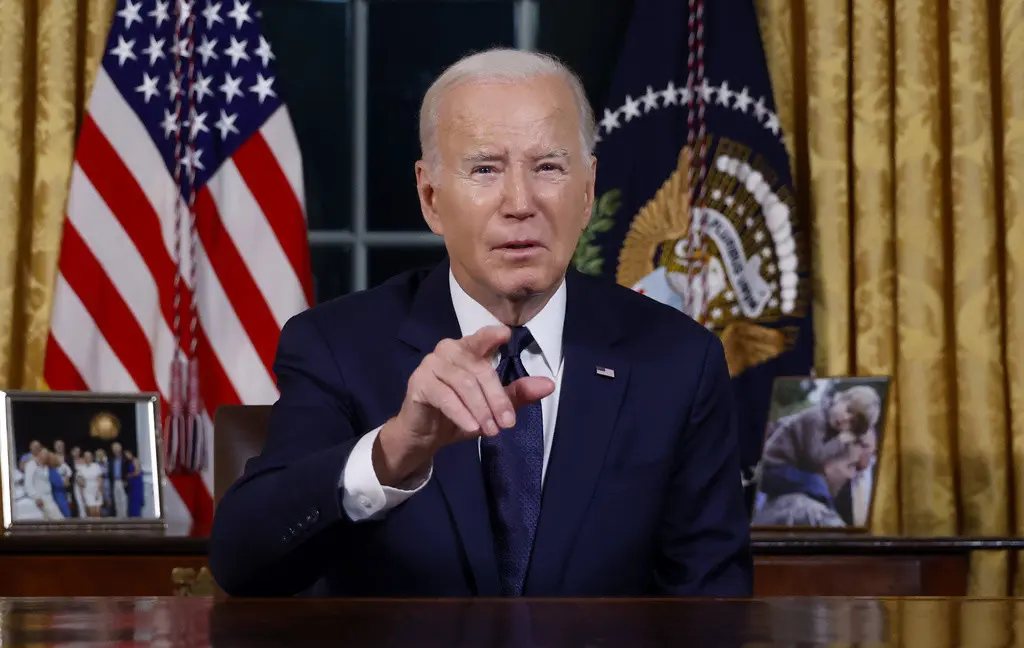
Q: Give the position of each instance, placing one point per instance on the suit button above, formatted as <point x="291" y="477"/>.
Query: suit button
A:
<point x="285" y="539"/>
<point x="314" y="515"/>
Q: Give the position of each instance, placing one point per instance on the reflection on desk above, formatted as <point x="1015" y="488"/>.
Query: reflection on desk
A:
<point x="509" y="623"/>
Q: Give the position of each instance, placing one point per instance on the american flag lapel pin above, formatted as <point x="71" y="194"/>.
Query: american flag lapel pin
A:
<point x="606" y="372"/>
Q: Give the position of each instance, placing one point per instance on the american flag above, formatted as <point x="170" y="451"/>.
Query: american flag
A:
<point x="185" y="215"/>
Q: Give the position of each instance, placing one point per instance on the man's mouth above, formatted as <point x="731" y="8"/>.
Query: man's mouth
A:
<point x="519" y="245"/>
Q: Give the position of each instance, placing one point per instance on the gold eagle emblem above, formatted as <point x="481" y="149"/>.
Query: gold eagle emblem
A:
<point x="104" y="426"/>
<point x="660" y="223"/>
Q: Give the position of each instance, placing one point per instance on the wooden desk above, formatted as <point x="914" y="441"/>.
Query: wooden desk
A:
<point x="785" y="564"/>
<point x="509" y="623"/>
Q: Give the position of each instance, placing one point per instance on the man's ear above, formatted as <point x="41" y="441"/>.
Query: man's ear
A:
<point x="426" y="189"/>
<point x="589" y="193"/>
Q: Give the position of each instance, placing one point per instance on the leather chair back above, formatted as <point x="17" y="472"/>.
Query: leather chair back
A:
<point x="239" y="434"/>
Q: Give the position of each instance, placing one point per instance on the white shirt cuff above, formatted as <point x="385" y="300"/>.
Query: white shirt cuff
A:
<point x="363" y="496"/>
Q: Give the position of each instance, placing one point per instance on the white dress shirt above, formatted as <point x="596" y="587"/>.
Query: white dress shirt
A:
<point x="860" y="494"/>
<point x="363" y="496"/>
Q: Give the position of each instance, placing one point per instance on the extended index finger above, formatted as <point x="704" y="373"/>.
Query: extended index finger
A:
<point x="483" y="343"/>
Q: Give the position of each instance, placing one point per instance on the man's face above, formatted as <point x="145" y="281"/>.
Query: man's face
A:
<point x="839" y="415"/>
<point x="116" y="449"/>
<point x="840" y="471"/>
<point x="512" y="192"/>
<point x="869" y="445"/>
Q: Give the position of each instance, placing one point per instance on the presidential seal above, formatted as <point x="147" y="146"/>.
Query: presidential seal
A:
<point x="744" y="277"/>
<point x="104" y="426"/>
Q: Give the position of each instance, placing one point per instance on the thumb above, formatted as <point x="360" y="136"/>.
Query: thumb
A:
<point x="529" y="389"/>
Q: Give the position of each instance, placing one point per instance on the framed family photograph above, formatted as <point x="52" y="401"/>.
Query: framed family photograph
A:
<point x="80" y="461"/>
<point x="819" y="463"/>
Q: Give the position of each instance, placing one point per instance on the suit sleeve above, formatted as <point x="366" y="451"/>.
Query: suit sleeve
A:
<point x="278" y="525"/>
<point x="705" y="532"/>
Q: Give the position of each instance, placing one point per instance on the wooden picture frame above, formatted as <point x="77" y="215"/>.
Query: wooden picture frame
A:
<point x="67" y="434"/>
<point x="819" y="463"/>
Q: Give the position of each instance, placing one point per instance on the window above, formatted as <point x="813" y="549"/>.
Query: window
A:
<point x="353" y="73"/>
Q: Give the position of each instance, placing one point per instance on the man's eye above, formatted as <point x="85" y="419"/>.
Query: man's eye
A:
<point x="549" y="167"/>
<point x="483" y="169"/>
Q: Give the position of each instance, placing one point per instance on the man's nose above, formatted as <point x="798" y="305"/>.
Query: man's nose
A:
<point x="518" y="193"/>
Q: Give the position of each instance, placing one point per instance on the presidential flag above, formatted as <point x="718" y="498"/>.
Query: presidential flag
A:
<point x="184" y="248"/>
<point x="694" y="203"/>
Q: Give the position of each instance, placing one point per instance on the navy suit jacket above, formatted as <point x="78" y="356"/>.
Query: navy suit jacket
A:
<point x="642" y="494"/>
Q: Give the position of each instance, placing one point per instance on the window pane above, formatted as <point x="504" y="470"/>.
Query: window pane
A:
<point x="332" y="271"/>
<point x="410" y="43"/>
<point x="587" y="36"/>
<point x="310" y="41"/>
<point x="386" y="262"/>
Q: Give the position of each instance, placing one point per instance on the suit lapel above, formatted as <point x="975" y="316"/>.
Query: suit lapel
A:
<point x="457" y="466"/>
<point x="588" y="408"/>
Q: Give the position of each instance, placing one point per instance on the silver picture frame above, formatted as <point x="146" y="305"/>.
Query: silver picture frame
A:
<point x="821" y="454"/>
<point x="66" y="433"/>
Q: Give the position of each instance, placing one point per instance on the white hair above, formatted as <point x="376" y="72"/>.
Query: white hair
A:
<point x="502" y="65"/>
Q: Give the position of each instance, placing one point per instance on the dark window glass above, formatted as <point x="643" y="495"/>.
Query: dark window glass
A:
<point x="310" y="39"/>
<point x="386" y="262"/>
<point x="332" y="271"/>
<point x="587" y="36"/>
<point x="410" y="43"/>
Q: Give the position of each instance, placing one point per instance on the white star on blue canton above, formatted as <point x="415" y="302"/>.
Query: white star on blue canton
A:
<point x="197" y="123"/>
<point x="263" y="51"/>
<point x="160" y="13"/>
<point x="226" y="124"/>
<point x="124" y="50"/>
<point x="231" y="87"/>
<point x="201" y="87"/>
<point x="184" y="11"/>
<point x="212" y="14"/>
<point x="130" y="14"/>
<point x="240" y="14"/>
<point x="155" y="50"/>
<point x="173" y="87"/>
<point x="169" y="124"/>
<point x="262" y="87"/>
<point x="148" y="87"/>
<point x="205" y="49"/>
<point x="236" y="51"/>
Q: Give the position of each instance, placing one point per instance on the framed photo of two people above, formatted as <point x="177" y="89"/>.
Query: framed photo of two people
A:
<point x="80" y="461"/>
<point x="819" y="464"/>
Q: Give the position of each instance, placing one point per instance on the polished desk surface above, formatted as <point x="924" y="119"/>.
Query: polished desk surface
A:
<point x="766" y="543"/>
<point x="188" y="621"/>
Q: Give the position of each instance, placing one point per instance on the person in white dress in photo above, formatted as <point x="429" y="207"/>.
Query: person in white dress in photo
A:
<point x="90" y="479"/>
<point x="39" y="487"/>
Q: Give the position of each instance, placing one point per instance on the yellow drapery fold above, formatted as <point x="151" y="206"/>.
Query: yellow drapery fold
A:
<point x="49" y="52"/>
<point x="905" y="122"/>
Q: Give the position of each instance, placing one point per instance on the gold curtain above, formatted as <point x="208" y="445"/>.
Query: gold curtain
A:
<point x="905" y="122"/>
<point x="49" y="52"/>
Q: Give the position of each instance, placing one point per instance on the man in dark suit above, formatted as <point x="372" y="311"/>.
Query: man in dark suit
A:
<point x="498" y="425"/>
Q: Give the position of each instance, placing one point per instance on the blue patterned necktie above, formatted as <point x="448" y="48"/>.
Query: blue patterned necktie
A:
<point x="512" y="468"/>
